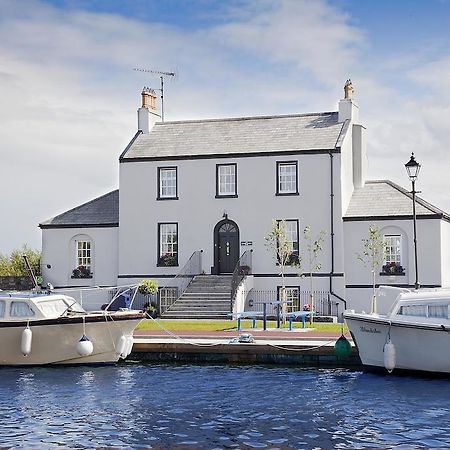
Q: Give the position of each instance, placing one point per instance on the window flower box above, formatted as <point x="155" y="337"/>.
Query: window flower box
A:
<point x="81" y="272"/>
<point x="168" y="260"/>
<point x="392" y="268"/>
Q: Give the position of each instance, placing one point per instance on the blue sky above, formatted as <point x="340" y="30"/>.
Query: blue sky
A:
<point x="69" y="94"/>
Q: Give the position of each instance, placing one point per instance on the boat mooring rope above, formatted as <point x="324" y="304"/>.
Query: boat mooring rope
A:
<point x="301" y="349"/>
<point x="179" y="337"/>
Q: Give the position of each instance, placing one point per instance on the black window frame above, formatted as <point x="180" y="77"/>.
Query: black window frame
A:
<point x="158" y="186"/>
<point x="235" y="195"/>
<point x="295" y="251"/>
<point x="286" y="163"/>
<point x="159" y="262"/>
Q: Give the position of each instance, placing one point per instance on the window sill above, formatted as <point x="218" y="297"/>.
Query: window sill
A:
<point x="167" y="198"/>
<point x="81" y="278"/>
<point x="384" y="274"/>
<point x="165" y="265"/>
<point x="227" y="196"/>
<point x="286" y="194"/>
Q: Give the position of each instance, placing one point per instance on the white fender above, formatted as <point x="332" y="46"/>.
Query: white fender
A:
<point x="121" y="346"/>
<point x="129" y="345"/>
<point x="85" y="346"/>
<point x="389" y="356"/>
<point x="25" y="344"/>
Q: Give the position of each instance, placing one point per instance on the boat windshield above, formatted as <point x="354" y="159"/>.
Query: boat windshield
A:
<point x="59" y="306"/>
<point x="420" y="310"/>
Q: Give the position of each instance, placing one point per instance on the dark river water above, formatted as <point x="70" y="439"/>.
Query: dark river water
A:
<point x="141" y="406"/>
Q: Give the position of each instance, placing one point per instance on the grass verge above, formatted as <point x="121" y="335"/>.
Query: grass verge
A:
<point x="228" y="325"/>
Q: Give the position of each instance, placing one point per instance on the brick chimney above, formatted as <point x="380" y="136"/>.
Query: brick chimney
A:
<point x="147" y="114"/>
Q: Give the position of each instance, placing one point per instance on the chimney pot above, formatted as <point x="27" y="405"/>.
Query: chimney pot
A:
<point x="148" y="98"/>
<point x="348" y="89"/>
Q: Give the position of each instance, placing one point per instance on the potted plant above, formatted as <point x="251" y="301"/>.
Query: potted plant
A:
<point x="148" y="287"/>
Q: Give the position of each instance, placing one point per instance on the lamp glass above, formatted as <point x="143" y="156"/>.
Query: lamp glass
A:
<point x="413" y="168"/>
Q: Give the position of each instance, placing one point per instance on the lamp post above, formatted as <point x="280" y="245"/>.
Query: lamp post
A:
<point x="413" y="168"/>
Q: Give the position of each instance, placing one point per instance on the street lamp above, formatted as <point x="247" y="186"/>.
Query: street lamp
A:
<point x="413" y="168"/>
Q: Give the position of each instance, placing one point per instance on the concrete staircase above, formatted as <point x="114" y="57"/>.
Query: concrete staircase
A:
<point x="206" y="297"/>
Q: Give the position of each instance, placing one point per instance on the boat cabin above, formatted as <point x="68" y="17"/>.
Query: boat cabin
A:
<point x="426" y="306"/>
<point x="35" y="306"/>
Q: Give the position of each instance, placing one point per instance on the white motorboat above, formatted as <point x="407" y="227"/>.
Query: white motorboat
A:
<point x="49" y="328"/>
<point x="413" y="336"/>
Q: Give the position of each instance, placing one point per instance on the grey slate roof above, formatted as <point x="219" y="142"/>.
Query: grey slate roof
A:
<point x="101" y="212"/>
<point x="385" y="199"/>
<point x="239" y="136"/>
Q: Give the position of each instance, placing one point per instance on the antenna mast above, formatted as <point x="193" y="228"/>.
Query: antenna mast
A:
<point x="161" y="78"/>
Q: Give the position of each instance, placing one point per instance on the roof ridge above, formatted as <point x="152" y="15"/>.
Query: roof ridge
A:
<point x="235" y="119"/>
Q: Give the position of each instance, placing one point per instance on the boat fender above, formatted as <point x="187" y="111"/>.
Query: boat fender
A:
<point x="85" y="346"/>
<point x="121" y="346"/>
<point x="389" y="356"/>
<point x="25" y="344"/>
<point x="129" y="345"/>
<point x="342" y="347"/>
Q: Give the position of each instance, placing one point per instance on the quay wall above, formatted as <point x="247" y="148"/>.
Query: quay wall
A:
<point x="301" y="355"/>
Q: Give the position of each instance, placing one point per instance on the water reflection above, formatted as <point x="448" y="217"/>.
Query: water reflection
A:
<point x="222" y="407"/>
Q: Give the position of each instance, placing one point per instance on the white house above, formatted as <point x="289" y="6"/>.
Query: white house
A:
<point x="208" y="191"/>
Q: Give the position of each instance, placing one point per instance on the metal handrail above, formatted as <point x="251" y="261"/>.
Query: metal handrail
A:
<point x="242" y="269"/>
<point x="184" y="277"/>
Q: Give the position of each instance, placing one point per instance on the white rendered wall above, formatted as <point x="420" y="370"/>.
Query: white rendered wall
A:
<point x="58" y="251"/>
<point x="360" y="162"/>
<point x="346" y="174"/>
<point x="445" y="255"/>
<point x="198" y="211"/>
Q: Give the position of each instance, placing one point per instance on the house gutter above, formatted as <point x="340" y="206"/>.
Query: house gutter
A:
<point x="332" y="232"/>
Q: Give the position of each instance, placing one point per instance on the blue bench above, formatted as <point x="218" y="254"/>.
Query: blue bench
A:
<point x="245" y="315"/>
<point x="298" y="314"/>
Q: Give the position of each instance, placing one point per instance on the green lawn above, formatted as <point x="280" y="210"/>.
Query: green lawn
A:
<point x="226" y="325"/>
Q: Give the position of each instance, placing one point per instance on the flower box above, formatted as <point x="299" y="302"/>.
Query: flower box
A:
<point x="392" y="268"/>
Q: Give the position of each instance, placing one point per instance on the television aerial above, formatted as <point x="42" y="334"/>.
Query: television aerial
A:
<point x="161" y="78"/>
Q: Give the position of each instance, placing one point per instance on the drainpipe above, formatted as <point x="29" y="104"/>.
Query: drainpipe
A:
<point x="332" y="231"/>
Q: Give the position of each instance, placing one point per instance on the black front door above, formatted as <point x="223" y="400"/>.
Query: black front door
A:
<point x="228" y="246"/>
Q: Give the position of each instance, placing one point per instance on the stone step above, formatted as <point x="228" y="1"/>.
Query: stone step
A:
<point x="202" y="286"/>
<point x="201" y="305"/>
<point x="205" y="293"/>
<point x="190" y="315"/>
<point x="200" y="308"/>
<point x="207" y="297"/>
<point x="204" y="300"/>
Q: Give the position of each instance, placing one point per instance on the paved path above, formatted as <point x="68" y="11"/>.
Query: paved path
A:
<point x="273" y="333"/>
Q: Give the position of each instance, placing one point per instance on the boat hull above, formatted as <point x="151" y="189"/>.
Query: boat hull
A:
<point x="54" y="341"/>
<point x="418" y="347"/>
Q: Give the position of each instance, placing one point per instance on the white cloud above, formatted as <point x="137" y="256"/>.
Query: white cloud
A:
<point x="69" y="95"/>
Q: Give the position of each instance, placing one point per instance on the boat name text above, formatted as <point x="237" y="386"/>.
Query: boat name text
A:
<point x="369" y="330"/>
